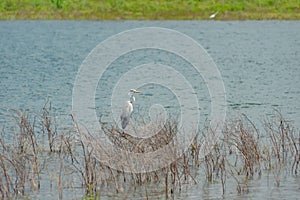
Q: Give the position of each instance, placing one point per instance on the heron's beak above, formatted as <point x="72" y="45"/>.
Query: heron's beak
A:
<point x="138" y="92"/>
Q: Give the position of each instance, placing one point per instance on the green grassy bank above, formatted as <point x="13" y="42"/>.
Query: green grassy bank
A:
<point x="150" y="9"/>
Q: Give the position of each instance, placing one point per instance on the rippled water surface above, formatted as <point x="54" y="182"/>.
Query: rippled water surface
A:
<point x="259" y="62"/>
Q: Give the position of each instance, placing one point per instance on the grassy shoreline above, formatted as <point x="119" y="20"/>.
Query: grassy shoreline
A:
<point x="149" y="9"/>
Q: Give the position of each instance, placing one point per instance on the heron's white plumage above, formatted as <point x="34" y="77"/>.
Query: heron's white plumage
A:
<point x="126" y="113"/>
<point x="213" y="15"/>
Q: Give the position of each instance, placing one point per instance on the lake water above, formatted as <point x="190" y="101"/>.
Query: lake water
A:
<point x="259" y="62"/>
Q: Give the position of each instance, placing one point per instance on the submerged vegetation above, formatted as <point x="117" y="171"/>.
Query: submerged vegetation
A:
<point x="37" y="149"/>
<point x="149" y="9"/>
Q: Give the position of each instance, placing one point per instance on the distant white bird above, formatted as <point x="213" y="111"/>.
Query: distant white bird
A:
<point x="213" y="15"/>
<point x="128" y="108"/>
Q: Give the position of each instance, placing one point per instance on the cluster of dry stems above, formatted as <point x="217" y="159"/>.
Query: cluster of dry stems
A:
<point x="241" y="153"/>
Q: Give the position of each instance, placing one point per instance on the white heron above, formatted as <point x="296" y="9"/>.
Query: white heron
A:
<point x="128" y="108"/>
<point x="213" y="15"/>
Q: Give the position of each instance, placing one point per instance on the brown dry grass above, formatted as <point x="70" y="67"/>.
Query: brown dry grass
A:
<point x="242" y="152"/>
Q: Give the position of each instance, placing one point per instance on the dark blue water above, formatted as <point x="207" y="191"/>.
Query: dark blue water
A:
<point x="258" y="61"/>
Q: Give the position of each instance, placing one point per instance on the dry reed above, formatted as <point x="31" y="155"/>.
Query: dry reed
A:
<point x="241" y="153"/>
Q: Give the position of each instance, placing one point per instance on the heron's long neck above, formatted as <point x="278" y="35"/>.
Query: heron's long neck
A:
<point x="131" y="98"/>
